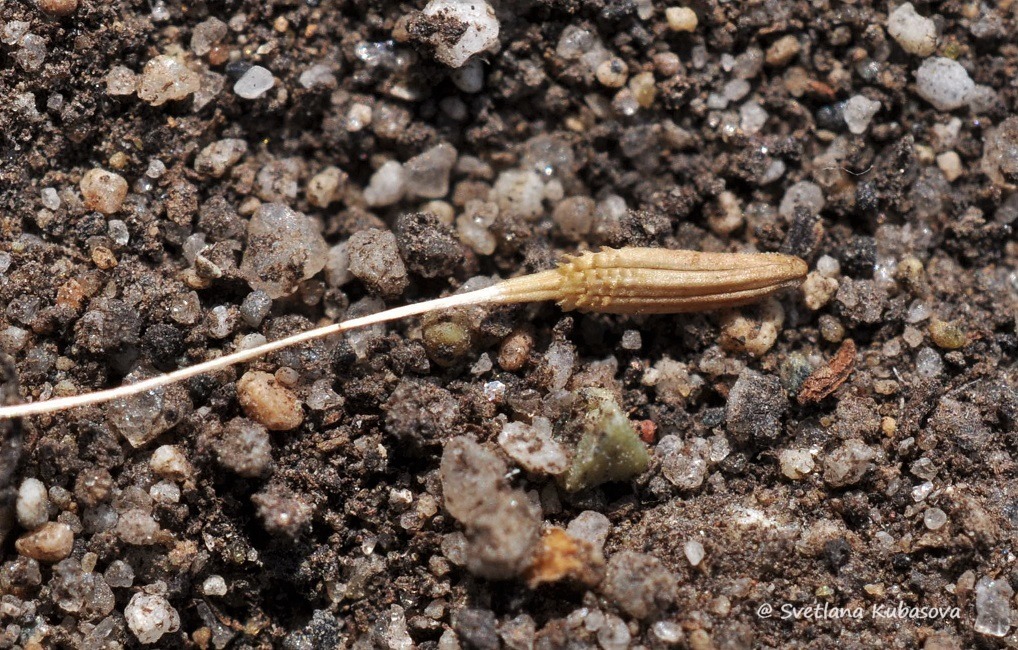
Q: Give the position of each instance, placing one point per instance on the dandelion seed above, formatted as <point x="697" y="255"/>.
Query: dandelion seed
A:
<point x="614" y="281"/>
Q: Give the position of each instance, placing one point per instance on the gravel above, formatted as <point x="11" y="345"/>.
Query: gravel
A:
<point x="944" y="83"/>
<point x="254" y="83"/>
<point x="150" y="617"/>
<point x="374" y="260"/>
<point x="283" y="248"/>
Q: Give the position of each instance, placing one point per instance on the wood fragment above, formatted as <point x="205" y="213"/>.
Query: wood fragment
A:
<point x="826" y="379"/>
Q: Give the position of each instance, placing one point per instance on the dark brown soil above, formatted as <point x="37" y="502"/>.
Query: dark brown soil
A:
<point x="340" y="539"/>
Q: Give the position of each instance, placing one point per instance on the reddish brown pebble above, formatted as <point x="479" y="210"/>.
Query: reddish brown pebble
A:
<point x="51" y="542"/>
<point x="71" y="295"/>
<point x="515" y="350"/>
<point x="103" y="191"/>
<point x="647" y="431"/>
<point x="265" y="401"/>
<point x="827" y="379"/>
<point x="58" y="8"/>
<point x="104" y="258"/>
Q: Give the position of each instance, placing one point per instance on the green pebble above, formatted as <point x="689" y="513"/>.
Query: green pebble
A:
<point x="947" y="336"/>
<point x="609" y="449"/>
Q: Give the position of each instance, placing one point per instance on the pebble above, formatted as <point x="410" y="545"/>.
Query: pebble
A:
<point x="50" y="542"/>
<point x="612" y="73"/>
<point x="752" y="334"/>
<point x="279" y="180"/>
<point x="782" y="51"/>
<point x="164" y="492"/>
<point x="281" y="511"/>
<point x="318" y="75"/>
<point x="427" y="174"/>
<point x="218" y="157"/>
<point x="667" y="633"/>
<point x="796" y="464"/>
<point x="337" y="266"/>
<point x="950" y="164"/>
<point x="359" y="117"/>
<point x="1000" y="155"/>
<point x="50" y="200"/>
<point x="993" y="606"/>
<point x="519" y="193"/>
<point x="928" y="363"/>
<point x="501" y="524"/>
<point x="735" y="90"/>
<point x="592" y="527"/>
<point x="818" y="290"/>
<point x="322" y="397"/>
<point x="93" y="486"/>
<point x="752" y="118"/>
<point x="165" y="79"/>
<point x="574" y="216"/>
<point x="325" y="187"/>
<point x="245" y="448"/>
<point x="934" y="518"/>
<point x="861" y="301"/>
<point x="59" y="8"/>
<point x="268" y="403"/>
<point x="847" y="464"/>
<point x="170" y="462"/>
<point x="533" y="447"/>
<point x="214" y="585"/>
<point x="609" y="448"/>
<point x="221" y="321"/>
<point x="254" y="83"/>
<point x="283" y="248"/>
<point x="803" y="194"/>
<point x="121" y="81"/>
<point x="944" y="83"/>
<point x="674" y="385"/>
<point x="375" y="261"/>
<point x="859" y="111"/>
<point x="206" y="34"/>
<point x="469" y="77"/>
<point x="32" y="505"/>
<point x="560" y="359"/>
<point x="755" y="407"/>
<point x="103" y="191"/>
<point x="118" y="232"/>
<point x="694" y="552"/>
<point x="613" y="634"/>
<point x="915" y="34"/>
<point x="255" y="307"/>
<point x="683" y="462"/>
<point x="481" y="31"/>
<point x="631" y="340"/>
<point x="32" y="54"/>
<point x="387" y="186"/>
<point x="639" y="584"/>
<point x="137" y="527"/>
<point x="119" y="574"/>
<point x="142" y="418"/>
<point x="428" y="246"/>
<point x="150" y="616"/>
<point x="681" y="19"/>
<point x="472" y="226"/>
